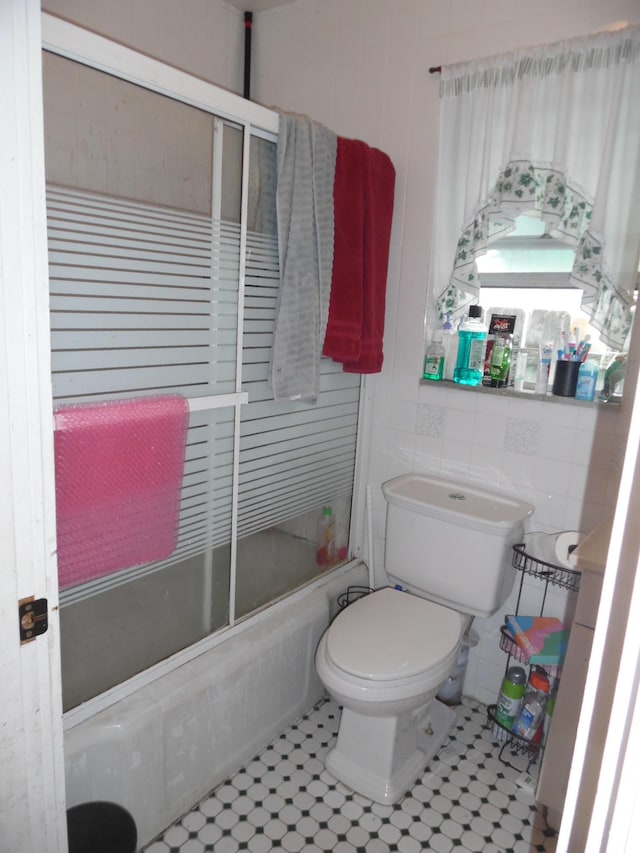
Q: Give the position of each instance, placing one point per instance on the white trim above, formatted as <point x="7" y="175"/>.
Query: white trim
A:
<point x="357" y="532"/>
<point x="203" y="404"/>
<point x="616" y="644"/>
<point x="32" y="789"/>
<point x="218" y="401"/>
<point x="551" y="280"/>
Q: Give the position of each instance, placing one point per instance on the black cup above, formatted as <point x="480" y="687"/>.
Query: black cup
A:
<point x="566" y="378"/>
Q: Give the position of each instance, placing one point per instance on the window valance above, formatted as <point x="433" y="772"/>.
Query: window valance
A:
<point x="555" y="132"/>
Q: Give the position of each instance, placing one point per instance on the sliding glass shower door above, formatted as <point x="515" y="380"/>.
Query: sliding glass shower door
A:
<point x="164" y="280"/>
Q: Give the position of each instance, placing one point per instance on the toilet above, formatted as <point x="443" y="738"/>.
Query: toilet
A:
<point x="448" y="559"/>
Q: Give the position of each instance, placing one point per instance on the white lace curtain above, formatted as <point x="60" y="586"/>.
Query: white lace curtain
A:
<point x="553" y="130"/>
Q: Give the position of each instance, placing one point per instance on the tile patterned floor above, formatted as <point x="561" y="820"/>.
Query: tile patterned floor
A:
<point x="467" y="800"/>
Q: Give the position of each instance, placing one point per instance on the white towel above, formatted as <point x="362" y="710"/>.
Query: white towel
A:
<point x="306" y="173"/>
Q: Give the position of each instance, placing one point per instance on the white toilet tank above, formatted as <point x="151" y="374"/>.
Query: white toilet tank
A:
<point x="452" y="543"/>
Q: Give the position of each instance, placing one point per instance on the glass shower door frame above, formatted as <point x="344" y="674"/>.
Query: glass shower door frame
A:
<point x="74" y="43"/>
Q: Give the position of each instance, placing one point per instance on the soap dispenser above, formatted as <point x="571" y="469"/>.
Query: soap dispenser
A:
<point x="449" y="345"/>
<point x="434" y="359"/>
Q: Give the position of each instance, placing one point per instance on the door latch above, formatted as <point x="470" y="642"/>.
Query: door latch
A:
<point x="34" y="618"/>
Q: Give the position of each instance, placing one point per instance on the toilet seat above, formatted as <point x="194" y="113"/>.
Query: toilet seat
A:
<point x="391" y="636"/>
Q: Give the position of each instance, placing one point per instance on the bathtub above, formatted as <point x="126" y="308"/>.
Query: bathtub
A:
<point x="163" y="747"/>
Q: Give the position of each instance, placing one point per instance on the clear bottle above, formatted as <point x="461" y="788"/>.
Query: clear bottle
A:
<point x="472" y="339"/>
<point x="450" y="346"/>
<point x="515" y="358"/>
<point x="614" y="377"/>
<point x="587" y="379"/>
<point x="531" y="714"/>
<point x="326" y="540"/>
<point x="509" y="701"/>
<point x="434" y="358"/>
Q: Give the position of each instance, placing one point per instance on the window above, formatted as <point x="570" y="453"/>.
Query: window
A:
<point x="527" y="274"/>
<point x="551" y="130"/>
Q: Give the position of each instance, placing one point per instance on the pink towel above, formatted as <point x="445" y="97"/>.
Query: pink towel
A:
<point x="119" y="469"/>
<point x="363" y="209"/>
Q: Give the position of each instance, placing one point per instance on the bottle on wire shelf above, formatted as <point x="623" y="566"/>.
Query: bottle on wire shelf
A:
<point x="531" y="715"/>
<point x="509" y="701"/>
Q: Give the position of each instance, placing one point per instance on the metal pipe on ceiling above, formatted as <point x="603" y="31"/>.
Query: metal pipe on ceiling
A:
<point x="248" y="24"/>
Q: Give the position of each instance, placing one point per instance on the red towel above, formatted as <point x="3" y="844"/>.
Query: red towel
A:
<point x="363" y="209"/>
<point x="119" y="469"/>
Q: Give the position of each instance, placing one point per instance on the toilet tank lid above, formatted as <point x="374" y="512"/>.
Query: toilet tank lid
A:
<point x="451" y="500"/>
<point x="390" y="635"/>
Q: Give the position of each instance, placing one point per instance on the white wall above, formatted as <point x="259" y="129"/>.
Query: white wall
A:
<point x="361" y="68"/>
<point x="204" y="37"/>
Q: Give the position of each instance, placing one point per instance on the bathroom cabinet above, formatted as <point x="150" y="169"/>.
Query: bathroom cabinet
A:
<point x="547" y="574"/>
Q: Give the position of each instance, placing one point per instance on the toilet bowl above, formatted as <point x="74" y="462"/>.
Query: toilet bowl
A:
<point x="383" y="659"/>
<point x="448" y="547"/>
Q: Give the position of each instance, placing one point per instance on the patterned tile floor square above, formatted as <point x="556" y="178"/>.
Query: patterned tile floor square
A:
<point x="467" y="800"/>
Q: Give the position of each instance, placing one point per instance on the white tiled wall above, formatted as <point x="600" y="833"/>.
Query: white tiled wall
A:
<point x="361" y="68"/>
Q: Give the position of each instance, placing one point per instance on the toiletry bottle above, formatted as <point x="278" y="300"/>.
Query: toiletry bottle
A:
<point x="587" y="378"/>
<point x="515" y="358"/>
<point x="509" y="701"/>
<point x="531" y="714"/>
<point x="500" y="361"/>
<point x="326" y="541"/>
<point x="544" y="366"/>
<point x="450" y="346"/>
<point x="614" y="377"/>
<point x="434" y="358"/>
<point x="472" y="336"/>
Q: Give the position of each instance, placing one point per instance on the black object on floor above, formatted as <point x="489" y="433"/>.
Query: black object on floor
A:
<point x="101" y="828"/>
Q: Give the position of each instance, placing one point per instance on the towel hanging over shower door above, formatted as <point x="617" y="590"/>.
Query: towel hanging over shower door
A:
<point x="363" y="210"/>
<point x="119" y="469"/>
<point x="334" y="211"/>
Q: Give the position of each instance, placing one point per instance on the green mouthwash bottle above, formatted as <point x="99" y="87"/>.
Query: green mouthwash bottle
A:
<point x="472" y="339"/>
<point x="500" y="361"/>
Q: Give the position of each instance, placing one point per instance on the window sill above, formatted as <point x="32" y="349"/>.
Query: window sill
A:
<point x="521" y="395"/>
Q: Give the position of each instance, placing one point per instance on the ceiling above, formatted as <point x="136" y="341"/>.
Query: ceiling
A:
<point x="258" y="5"/>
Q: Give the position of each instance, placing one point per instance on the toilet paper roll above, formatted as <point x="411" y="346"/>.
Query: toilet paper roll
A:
<point x="565" y="545"/>
<point x="554" y="548"/>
